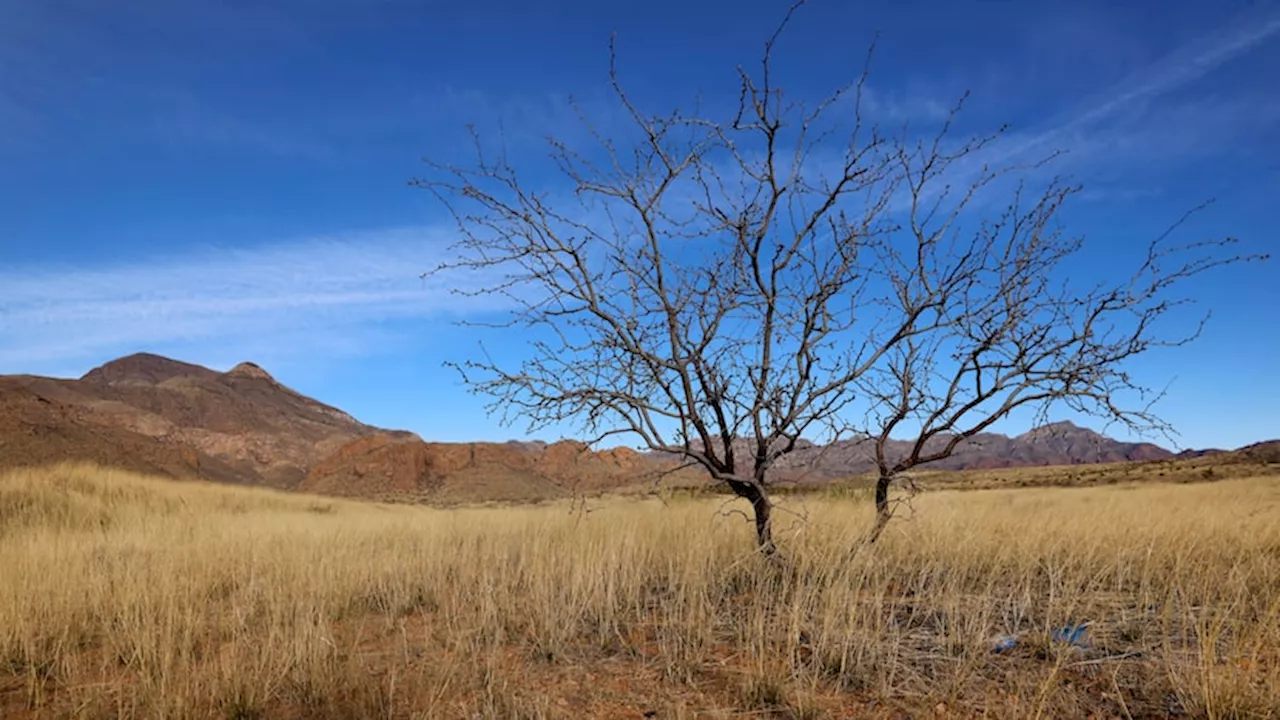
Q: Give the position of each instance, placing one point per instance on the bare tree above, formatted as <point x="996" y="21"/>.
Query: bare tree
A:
<point x="721" y="288"/>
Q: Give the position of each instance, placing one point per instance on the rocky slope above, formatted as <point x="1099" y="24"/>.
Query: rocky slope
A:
<point x="385" y="466"/>
<point x="150" y="412"/>
<point x="43" y="423"/>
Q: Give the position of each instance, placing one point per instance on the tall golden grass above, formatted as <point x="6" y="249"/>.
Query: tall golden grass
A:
<point x="124" y="596"/>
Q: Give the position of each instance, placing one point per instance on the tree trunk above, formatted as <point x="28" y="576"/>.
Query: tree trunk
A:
<point x="883" y="513"/>
<point x="763" y="509"/>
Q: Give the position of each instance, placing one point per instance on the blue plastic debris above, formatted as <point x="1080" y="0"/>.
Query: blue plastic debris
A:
<point x="1072" y="635"/>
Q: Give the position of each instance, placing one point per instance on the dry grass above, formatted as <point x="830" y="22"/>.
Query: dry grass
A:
<point x="122" y="596"/>
<point x="1173" y="470"/>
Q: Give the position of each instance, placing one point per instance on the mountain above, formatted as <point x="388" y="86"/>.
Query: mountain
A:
<point x="1062" y="443"/>
<point x="153" y="414"/>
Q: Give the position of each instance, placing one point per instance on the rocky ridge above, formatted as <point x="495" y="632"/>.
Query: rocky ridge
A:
<point x="153" y="414"/>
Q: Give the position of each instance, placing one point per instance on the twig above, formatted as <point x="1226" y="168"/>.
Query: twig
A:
<point x="1109" y="658"/>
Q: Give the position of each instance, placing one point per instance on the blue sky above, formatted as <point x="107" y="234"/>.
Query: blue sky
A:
<point x="223" y="181"/>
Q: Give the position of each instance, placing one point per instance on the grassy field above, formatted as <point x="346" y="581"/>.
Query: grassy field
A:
<point x="122" y="596"/>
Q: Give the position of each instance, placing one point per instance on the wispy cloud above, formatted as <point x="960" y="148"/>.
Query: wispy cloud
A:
<point x="1178" y="69"/>
<point x="317" y="295"/>
<point x="913" y="104"/>
<point x="1119" y="139"/>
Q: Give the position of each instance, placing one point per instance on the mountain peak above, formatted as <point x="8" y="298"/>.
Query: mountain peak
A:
<point x="144" y="368"/>
<point x="250" y="370"/>
<point x="1056" y="429"/>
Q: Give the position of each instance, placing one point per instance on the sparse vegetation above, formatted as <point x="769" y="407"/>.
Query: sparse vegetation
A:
<point x="123" y="596"/>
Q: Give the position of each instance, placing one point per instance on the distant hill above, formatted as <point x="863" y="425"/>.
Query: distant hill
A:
<point x="1061" y="443"/>
<point x="152" y="414"/>
<point x="1264" y="452"/>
